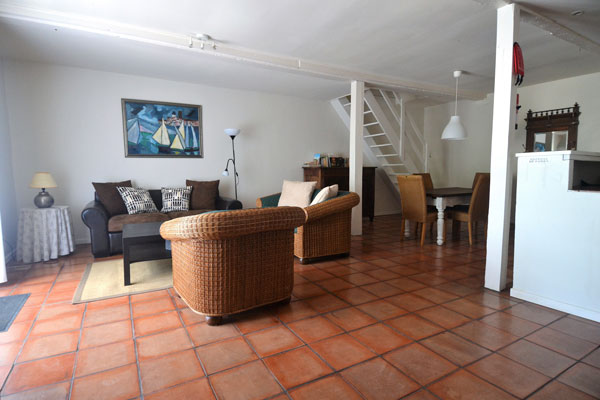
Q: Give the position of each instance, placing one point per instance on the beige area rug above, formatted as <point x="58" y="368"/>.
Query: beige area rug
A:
<point x="104" y="279"/>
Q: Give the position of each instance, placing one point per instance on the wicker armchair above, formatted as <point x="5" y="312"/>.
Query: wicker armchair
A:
<point x="326" y="232"/>
<point x="232" y="261"/>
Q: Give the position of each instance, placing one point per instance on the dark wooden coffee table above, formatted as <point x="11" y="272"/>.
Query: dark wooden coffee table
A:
<point x="142" y="242"/>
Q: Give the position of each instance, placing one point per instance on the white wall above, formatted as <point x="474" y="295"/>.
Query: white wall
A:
<point x="8" y="201"/>
<point x="68" y="121"/>
<point x="460" y="160"/>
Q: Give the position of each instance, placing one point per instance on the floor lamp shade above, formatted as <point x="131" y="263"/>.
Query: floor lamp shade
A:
<point x="454" y="130"/>
<point x="233" y="132"/>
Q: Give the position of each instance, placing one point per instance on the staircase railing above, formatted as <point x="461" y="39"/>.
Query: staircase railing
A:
<point x="414" y="135"/>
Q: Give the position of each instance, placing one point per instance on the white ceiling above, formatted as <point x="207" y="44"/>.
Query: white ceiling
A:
<point x="420" y="41"/>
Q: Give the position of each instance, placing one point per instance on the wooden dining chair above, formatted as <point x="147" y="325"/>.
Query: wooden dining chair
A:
<point x="414" y="203"/>
<point x="477" y="176"/>
<point x="426" y="180"/>
<point x="428" y="185"/>
<point x="478" y="207"/>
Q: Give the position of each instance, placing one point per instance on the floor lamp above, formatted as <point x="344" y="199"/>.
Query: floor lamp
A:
<point x="232" y="132"/>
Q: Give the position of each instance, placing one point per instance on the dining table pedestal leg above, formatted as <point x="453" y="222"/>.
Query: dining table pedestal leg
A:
<point x="439" y="204"/>
<point x="443" y="198"/>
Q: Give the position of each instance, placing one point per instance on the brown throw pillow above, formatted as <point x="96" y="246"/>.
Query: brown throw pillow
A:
<point x="110" y="197"/>
<point x="204" y="194"/>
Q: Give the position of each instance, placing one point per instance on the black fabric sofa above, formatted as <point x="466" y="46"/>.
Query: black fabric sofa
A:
<point x="106" y="230"/>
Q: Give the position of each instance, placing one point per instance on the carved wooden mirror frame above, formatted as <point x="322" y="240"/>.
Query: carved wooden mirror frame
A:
<point x="561" y="119"/>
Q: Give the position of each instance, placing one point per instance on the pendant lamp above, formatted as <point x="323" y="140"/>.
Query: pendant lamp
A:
<point x="454" y="130"/>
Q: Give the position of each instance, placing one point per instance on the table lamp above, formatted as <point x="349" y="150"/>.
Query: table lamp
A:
<point x="43" y="180"/>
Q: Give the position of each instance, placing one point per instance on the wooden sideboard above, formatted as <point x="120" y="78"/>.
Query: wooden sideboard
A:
<point x="327" y="176"/>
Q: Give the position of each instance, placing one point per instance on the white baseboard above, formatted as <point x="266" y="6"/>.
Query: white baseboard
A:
<point x="582" y="312"/>
<point x="82" y="240"/>
<point x="387" y="212"/>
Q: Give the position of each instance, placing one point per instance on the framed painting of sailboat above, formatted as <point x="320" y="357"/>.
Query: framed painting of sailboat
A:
<point x="159" y="129"/>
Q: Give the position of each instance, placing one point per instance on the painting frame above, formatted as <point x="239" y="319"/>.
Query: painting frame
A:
<point x="178" y="135"/>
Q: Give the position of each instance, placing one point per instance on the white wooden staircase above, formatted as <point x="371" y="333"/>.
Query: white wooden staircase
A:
<point x="393" y="141"/>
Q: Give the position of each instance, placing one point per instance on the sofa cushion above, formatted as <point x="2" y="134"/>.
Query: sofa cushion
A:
<point x="296" y="194"/>
<point x="204" y="194"/>
<point x="176" y="199"/>
<point x="109" y="196"/>
<point x="179" y="214"/>
<point x="115" y="223"/>
<point x="137" y="201"/>
<point x="327" y="192"/>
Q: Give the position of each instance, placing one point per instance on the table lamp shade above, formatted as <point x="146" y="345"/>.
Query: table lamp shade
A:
<point x="42" y="180"/>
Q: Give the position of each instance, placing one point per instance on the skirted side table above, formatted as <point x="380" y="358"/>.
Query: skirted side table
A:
<point x="44" y="234"/>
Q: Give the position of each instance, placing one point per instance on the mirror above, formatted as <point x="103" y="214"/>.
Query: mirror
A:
<point x="552" y="130"/>
<point x="559" y="140"/>
<point x="550" y="141"/>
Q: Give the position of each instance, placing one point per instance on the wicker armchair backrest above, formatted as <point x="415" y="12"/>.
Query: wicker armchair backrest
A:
<point x="229" y="224"/>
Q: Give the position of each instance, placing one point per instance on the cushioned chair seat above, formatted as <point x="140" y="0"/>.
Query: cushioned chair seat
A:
<point x="179" y="214"/>
<point x="115" y="224"/>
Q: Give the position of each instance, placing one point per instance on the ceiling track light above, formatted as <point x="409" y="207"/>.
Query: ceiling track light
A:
<point x="204" y="39"/>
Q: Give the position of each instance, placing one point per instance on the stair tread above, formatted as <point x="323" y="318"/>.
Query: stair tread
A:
<point x="395" y="163"/>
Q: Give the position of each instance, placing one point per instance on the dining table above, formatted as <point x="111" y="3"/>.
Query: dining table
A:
<point x="442" y="198"/>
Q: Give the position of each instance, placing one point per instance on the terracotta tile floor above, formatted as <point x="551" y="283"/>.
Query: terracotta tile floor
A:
<point x="392" y="321"/>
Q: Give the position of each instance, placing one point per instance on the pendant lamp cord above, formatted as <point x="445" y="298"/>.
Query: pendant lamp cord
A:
<point x="456" y="98"/>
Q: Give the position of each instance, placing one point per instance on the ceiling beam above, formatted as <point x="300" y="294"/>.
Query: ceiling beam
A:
<point x="557" y="29"/>
<point x="189" y="43"/>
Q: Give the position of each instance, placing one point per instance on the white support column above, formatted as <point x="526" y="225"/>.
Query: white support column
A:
<point x="507" y="31"/>
<point x="357" y="94"/>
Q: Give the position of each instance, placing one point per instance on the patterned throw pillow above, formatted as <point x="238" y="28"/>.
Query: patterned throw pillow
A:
<point x="137" y="201"/>
<point x="176" y="199"/>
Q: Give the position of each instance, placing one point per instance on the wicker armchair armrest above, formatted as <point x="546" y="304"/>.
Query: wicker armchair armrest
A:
<point x="332" y="206"/>
<point x="268" y="201"/>
<point x="230" y="224"/>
